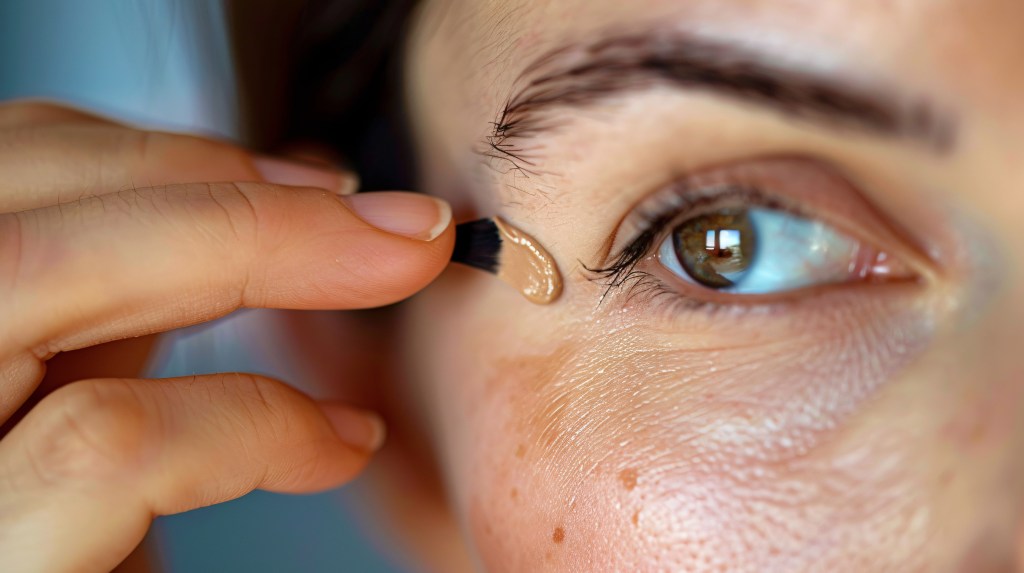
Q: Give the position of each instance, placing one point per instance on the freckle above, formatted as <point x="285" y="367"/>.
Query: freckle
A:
<point x="520" y="451"/>
<point x="628" y="478"/>
<point x="514" y="493"/>
<point x="558" y="536"/>
<point x="636" y="518"/>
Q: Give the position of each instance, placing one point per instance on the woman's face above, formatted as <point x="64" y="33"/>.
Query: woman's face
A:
<point x="792" y="243"/>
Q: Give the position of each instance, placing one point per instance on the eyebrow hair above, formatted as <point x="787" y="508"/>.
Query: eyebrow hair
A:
<point x="580" y="75"/>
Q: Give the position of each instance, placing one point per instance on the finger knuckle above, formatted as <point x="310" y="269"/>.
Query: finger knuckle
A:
<point x="266" y="405"/>
<point x="231" y="219"/>
<point x="228" y="211"/>
<point x="88" y="431"/>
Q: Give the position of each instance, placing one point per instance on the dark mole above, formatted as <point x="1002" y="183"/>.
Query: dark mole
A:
<point x="558" y="536"/>
<point x="628" y="478"/>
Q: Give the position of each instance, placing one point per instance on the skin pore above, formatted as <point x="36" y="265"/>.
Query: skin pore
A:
<point x="859" y="425"/>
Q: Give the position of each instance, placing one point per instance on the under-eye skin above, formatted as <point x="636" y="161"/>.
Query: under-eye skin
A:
<point x="766" y="231"/>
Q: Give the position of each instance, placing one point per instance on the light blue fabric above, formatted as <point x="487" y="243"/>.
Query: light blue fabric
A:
<point x="166" y="64"/>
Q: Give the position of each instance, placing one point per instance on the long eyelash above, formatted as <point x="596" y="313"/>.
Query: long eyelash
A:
<point x="623" y="269"/>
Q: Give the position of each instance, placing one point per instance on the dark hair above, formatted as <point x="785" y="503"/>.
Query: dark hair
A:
<point x="327" y="71"/>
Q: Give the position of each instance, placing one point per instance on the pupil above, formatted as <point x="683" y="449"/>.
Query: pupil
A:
<point x="716" y="248"/>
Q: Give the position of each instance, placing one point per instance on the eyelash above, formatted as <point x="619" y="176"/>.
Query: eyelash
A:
<point x="687" y="201"/>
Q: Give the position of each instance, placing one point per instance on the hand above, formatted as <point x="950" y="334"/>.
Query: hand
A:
<point x="107" y="233"/>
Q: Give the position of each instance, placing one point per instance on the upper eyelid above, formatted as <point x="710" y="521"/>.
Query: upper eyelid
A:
<point x="680" y="185"/>
<point x="691" y="198"/>
<point x="805" y="185"/>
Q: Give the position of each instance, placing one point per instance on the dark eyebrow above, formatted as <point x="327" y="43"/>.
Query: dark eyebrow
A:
<point x="578" y="75"/>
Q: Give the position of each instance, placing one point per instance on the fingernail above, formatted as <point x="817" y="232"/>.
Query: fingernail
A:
<point x="407" y="214"/>
<point x="297" y="174"/>
<point x="358" y="428"/>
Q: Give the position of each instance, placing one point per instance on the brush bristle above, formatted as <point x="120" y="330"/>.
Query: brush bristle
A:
<point x="478" y="244"/>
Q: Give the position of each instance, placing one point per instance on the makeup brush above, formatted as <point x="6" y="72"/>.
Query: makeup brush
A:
<point x="497" y="247"/>
<point x="478" y="244"/>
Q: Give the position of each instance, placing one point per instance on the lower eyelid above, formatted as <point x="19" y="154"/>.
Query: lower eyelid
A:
<point x="655" y="290"/>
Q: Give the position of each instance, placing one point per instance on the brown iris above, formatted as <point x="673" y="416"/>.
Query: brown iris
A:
<point x="715" y="246"/>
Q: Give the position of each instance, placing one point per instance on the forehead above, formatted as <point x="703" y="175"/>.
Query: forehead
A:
<point x="928" y="42"/>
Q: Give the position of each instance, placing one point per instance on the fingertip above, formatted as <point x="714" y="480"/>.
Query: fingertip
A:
<point x="411" y="215"/>
<point x="444" y="220"/>
<point x="316" y="250"/>
<point x="361" y="429"/>
<point x="370" y="266"/>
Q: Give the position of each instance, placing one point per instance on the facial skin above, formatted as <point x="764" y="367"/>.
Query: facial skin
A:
<point x="864" y="426"/>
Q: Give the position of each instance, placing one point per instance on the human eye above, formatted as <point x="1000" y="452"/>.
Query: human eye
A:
<point x="758" y="232"/>
<point x="754" y="250"/>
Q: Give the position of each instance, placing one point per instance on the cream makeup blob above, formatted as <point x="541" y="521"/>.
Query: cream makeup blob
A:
<point x="527" y="266"/>
<point x="498" y="247"/>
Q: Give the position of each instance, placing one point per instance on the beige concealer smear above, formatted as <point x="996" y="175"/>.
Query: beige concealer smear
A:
<point x="527" y="266"/>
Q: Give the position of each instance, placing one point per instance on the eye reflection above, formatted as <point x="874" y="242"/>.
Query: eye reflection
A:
<point x="729" y="244"/>
<point x="764" y="251"/>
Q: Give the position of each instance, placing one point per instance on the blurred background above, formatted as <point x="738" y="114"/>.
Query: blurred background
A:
<point x="169" y="64"/>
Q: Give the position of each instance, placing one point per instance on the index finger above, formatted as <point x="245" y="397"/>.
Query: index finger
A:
<point x="148" y="260"/>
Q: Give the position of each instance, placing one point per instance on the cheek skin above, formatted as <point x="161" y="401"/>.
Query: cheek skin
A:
<point x="624" y="448"/>
<point x="691" y="459"/>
